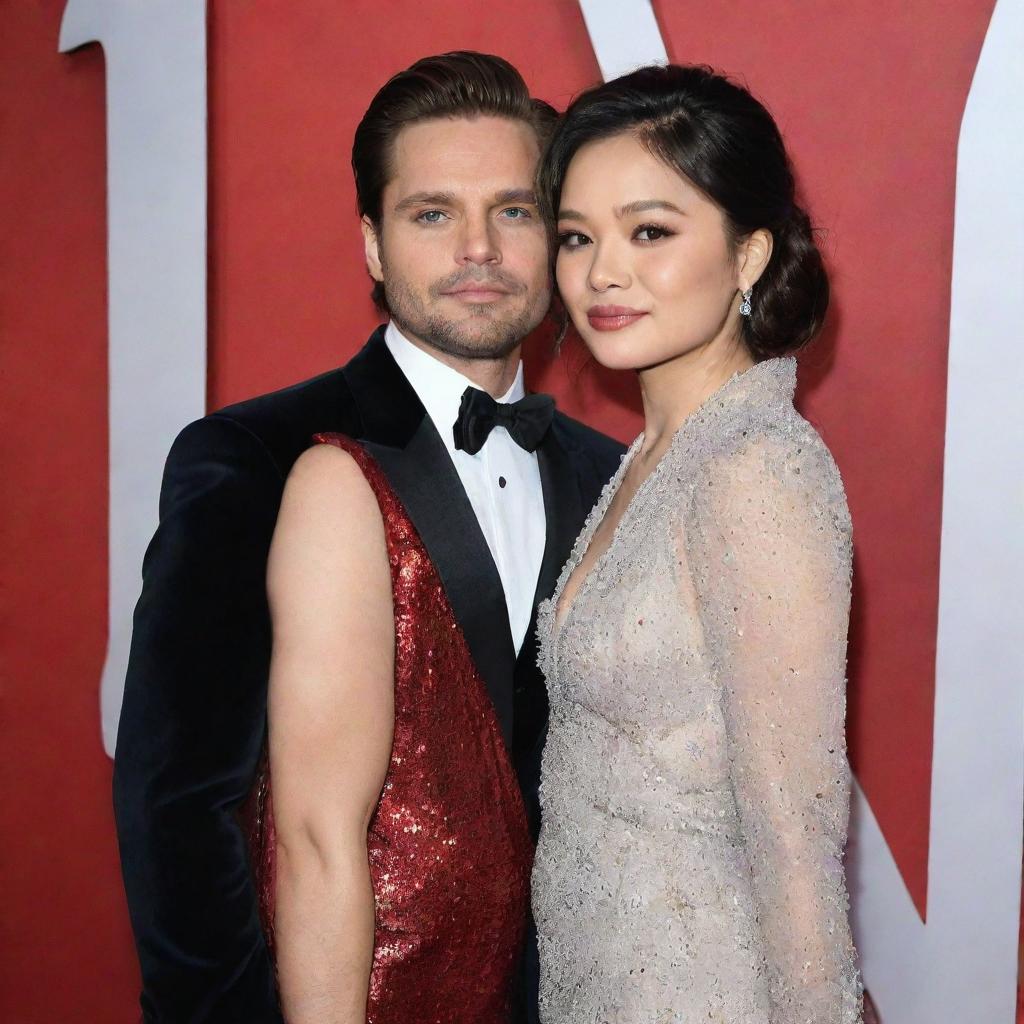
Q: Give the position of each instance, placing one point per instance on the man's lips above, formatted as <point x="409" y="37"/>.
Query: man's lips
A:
<point x="613" y="318"/>
<point x="477" y="292"/>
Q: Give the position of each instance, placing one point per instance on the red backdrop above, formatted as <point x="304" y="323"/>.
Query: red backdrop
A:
<point x="870" y="99"/>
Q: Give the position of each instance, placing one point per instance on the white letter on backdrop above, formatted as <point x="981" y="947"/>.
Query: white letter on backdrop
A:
<point x="155" y="56"/>
<point x="624" y="35"/>
<point x="962" y="965"/>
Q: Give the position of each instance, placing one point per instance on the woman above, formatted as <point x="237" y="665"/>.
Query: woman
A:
<point x="695" y="784"/>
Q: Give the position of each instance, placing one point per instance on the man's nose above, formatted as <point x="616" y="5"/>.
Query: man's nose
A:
<point x="478" y="242"/>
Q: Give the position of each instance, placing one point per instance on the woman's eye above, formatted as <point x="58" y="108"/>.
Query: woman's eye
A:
<point x="650" y="233"/>
<point x="572" y="239"/>
<point x="516" y="213"/>
<point x="431" y="216"/>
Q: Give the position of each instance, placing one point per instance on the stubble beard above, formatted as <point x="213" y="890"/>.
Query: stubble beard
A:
<point x="489" y="331"/>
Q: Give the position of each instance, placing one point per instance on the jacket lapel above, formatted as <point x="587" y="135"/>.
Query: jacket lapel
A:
<point x="563" y="511"/>
<point x="565" y="507"/>
<point x="399" y="434"/>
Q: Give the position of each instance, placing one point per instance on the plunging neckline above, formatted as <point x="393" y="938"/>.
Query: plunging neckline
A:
<point x="560" y="617"/>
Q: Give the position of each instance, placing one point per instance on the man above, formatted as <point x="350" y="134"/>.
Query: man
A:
<point x="444" y="162"/>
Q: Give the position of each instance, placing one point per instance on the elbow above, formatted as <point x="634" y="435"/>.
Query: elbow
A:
<point x="321" y="848"/>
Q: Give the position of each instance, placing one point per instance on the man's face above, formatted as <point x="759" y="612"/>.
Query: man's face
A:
<point x="460" y="247"/>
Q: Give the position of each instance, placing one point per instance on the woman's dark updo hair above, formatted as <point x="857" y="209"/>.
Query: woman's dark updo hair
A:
<point x="720" y="138"/>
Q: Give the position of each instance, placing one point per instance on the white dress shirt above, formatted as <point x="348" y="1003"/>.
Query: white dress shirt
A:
<point x="502" y="481"/>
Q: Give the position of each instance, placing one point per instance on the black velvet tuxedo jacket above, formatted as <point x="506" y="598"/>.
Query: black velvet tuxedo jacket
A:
<point x="194" y="716"/>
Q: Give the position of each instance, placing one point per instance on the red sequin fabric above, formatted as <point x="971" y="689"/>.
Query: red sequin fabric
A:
<point x="449" y="846"/>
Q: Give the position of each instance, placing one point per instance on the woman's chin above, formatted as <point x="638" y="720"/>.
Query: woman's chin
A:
<point x="616" y="353"/>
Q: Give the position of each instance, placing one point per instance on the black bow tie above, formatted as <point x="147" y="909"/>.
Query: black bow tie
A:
<point x="527" y="420"/>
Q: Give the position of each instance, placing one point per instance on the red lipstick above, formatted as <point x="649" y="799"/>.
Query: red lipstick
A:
<point x="613" y="318"/>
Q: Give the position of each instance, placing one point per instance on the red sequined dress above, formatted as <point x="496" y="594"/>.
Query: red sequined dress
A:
<point x="449" y="847"/>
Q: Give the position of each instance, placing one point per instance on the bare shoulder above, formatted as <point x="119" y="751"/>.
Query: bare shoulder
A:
<point x="326" y="483"/>
<point x="330" y="525"/>
<point x="326" y="469"/>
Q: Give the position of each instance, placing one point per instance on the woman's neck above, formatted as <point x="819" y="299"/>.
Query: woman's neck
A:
<point x="674" y="390"/>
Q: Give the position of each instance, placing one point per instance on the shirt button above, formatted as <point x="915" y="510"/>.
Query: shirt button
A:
<point x="502" y="481"/>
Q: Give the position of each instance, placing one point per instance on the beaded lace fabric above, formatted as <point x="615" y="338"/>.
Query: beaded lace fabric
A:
<point x="695" y="785"/>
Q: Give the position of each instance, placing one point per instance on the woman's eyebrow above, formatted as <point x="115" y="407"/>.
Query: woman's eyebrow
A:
<point x="642" y="205"/>
<point x="637" y="206"/>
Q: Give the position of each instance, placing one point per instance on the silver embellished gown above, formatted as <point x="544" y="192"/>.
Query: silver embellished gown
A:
<point x="695" y="786"/>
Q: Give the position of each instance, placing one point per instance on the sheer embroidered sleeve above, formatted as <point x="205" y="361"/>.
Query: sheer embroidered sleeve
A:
<point x="770" y="551"/>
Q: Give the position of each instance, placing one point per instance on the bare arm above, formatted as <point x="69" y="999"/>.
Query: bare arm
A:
<point x="331" y="722"/>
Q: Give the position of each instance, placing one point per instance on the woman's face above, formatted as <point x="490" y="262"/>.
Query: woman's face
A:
<point x="644" y="264"/>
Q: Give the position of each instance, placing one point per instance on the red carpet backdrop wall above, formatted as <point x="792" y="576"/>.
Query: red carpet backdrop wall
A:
<point x="259" y="282"/>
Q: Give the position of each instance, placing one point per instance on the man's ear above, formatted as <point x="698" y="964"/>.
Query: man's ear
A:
<point x="754" y="253"/>
<point x="371" y="247"/>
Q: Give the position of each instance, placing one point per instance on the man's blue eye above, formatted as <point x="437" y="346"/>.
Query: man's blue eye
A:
<point x="431" y="216"/>
<point x="517" y="213"/>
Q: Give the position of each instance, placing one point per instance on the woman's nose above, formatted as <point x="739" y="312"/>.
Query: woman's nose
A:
<point x="608" y="269"/>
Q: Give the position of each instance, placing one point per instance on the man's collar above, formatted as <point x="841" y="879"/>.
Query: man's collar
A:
<point x="438" y="386"/>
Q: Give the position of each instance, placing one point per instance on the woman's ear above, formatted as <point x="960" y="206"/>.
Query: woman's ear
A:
<point x="754" y="253"/>
<point x="371" y="247"/>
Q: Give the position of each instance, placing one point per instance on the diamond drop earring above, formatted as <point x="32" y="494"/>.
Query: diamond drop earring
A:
<point x="745" y="305"/>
